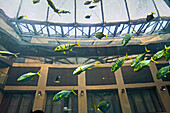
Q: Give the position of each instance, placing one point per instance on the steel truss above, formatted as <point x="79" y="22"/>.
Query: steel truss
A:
<point x="48" y="29"/>
<point x="79" y="30"/>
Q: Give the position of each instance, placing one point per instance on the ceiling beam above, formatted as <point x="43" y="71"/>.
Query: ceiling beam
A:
<point x="75" y="18"/>
<point x="47" y="13"/>
<point x="101" y="3"/>
<point x="103" y="21"/>
<point x="156" y="8"/>
<point x="19" y="8"/>
<point x="127" y="10"/>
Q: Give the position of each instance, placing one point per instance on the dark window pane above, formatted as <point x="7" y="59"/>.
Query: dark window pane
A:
<point x="159" y="66"/>
<point x="94" y="97"/>
<point x="14" y="103"/>
<point x="156" y="101"/>
<point x="25" y="103"/>
<point x="168" y="87"/>
<point x="66" y="77"/>
<point x="17" y="103"/>
<point x="138" y="101"/>
<point x="67" y="105"/>
<point x="150" y="105"/>
<point x="15" y="72"/>
<point x="100" y="76"/>
<point x="130" y="76"/>
<point x="144" y="100"/>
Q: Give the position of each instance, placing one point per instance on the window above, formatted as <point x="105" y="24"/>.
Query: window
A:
<point x="144" y="100"/>
<point x="168" y="87"/>
<point x="67" y="105"/>
<point x="15" y="72"/>
<point x="17" y="103"/>
<point x="100" y="76"/>
<point x="94" y="97"/>
<point x="66" y="77"/>
<point x="159" y="66"/>
<point x="130" y="76"/>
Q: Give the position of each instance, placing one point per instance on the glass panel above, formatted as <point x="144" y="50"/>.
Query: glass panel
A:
<point x="34" y="11"/>
<point x="139" y="102"/>
<point x="48" y="103"/>
<point x="94" y="97"/>
<point x="66" y="77"/>
<point x="75" y="107"/>
<point x="114" y="10"/>
<point x="168" y="87"/>
<point x="140" y="8"/>
<point x="67" y="105"/>
<point x="4" y="104"/>
<point x="90" y="103"/>
<point x="5" y="6"/>
<point x="132" y="104"/>
<point x="144" y="100"/>
<point x="159" y="66"/>
<point x="108" y="98"/>
<point x="25" y="104"/>
<point x="15" y="72"/>
<point x="162" y="8"/>
<point x="57" y="106"/>
<point x="63" y="5"/>
<point x="102" y="76"/>
<point x="14" y="104"/>
<point x="130" y="76"/>
<point x="17" y="103"/>
<point x="149" y="102"/>
<point x="83" y="10"/>
<point x="156" y="101"/>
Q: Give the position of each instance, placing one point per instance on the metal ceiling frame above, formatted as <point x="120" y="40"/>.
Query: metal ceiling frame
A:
<point x="18" y="25"/>
<point x="114" y="29"/>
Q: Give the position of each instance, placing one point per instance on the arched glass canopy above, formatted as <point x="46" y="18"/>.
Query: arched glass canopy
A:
<point x="113" y="17"/>
<point x="43" y="29"/>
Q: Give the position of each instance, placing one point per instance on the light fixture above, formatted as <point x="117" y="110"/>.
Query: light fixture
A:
<point x="39" y="93"/>
<point x="82" y="93"/>
<point x="163" y="88"/>
<point x="123" y="91"/>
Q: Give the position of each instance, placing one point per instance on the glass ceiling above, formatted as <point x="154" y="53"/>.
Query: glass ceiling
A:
<point x="46" y="29"/>
<point x="113" y="17"/>
<point x="113" y="10"/>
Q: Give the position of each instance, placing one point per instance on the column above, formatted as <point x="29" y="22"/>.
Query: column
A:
<point x="82" y="99"/>
<point x="40" y="100"/>
<point x="122" y="96"/>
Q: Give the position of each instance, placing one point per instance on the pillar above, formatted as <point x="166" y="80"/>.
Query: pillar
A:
<point x="122" y="96"/>
<point x="40" y="100"/>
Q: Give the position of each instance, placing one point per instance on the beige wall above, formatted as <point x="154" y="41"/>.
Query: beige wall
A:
<point x="40" y="101"/>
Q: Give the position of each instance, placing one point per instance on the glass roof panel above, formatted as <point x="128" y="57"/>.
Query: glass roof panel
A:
<point x="163" y="8"/>
<point x="9" y="8"/>
<point x="140" y="8"/>
<point x="34" y="11"/>
<point x="114" y="10"/>
<point x="83" y="10"/>
<point x="62" y="18"/>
